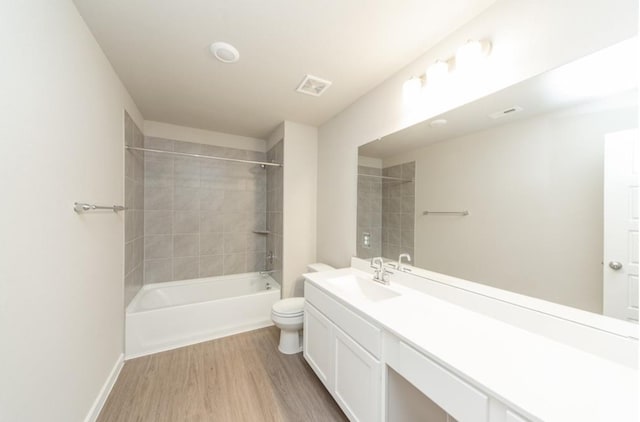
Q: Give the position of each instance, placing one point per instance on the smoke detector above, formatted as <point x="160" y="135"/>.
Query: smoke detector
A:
<point x="224" y="52"/>
<point x="312" y="85"/>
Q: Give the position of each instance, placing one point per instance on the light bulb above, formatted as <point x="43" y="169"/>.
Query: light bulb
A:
<point x="411" y="90"/>
<point x="468" y="55"/>
<point x="437" y="72"/>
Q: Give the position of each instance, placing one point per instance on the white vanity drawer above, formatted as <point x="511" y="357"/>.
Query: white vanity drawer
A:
<point x="456" y="397"/>
<point x="366" y="334"/>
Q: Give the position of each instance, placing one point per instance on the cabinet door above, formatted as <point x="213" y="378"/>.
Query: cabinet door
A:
<point x="357" y="380"/>
<point x="513" y="417"/>
<point x="318" y="335"/>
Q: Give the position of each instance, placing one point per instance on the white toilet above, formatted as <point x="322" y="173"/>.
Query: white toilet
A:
<point x="288" y="316"/>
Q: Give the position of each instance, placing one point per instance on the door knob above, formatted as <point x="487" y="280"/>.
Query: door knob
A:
<point x="615" y="265"/>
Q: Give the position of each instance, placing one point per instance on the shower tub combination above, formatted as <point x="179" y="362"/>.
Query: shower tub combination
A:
<point x="164" y="316"/>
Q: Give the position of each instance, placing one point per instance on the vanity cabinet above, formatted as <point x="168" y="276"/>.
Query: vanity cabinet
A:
<point x="318" y="336"/>
<point x="357" y="379"/>
<point x="353" y="358"/>
<point x="511" y="416"/>
<point x="459" y="399"/>
<point x="344" y="362"/>
<point x="397" y="353"/>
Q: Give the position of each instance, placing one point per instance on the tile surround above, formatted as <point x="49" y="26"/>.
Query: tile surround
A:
<point x="398" y="211"/>
<point x="134" y="214"/>
<point x="199" y="214"/>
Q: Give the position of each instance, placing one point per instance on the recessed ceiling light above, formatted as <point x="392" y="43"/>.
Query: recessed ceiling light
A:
<point x="224" y="52"/>
<point x="312" y="85"/>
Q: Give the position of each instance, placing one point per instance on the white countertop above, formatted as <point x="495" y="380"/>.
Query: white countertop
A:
<point x="539" y="377"/>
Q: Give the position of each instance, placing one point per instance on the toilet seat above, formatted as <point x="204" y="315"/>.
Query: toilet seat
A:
<point x="279" y="315"/>
<point x="289" y="308"/>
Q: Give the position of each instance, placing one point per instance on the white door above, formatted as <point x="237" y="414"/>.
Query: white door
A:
<point x="621" y="225"/>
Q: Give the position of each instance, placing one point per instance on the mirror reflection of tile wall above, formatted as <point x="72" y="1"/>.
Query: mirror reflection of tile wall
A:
<point x="386" y="211"/>
<point x="398" y="210"/>
<point x="369" y="212"/>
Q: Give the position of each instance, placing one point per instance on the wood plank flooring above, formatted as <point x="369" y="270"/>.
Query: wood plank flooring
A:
<point x="236" y="379"/>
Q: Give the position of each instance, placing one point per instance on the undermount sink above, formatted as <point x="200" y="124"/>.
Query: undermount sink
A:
<point x="361" y="288"/>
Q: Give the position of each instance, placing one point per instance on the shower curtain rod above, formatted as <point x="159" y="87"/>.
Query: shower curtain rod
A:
<point x="184" y="154"/>
<point x="399" y="179"/>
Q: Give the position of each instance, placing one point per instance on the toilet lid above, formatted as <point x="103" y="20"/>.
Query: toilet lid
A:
<point x="293" y="305"/>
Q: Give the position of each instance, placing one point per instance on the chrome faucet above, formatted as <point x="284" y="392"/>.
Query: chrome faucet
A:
<point x="380" y="275"/>
<point x="403" y="255"/>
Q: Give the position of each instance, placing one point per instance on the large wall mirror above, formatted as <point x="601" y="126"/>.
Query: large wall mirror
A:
<point x="533" y="189"/>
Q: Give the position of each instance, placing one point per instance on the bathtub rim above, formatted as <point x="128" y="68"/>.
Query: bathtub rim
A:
<point x="215" y="278"/>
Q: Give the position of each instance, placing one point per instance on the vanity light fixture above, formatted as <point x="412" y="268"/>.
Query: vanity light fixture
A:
<point x="437" y="72"/>
<point x="411" y="89"/>
<point x="470" y="54"/>
<point x="466" y="58"/>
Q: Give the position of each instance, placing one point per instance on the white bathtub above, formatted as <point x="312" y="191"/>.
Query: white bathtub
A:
<point x="164" y="316"/>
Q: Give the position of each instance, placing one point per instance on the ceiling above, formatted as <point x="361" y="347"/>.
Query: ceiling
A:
<point x="160" y="51"/>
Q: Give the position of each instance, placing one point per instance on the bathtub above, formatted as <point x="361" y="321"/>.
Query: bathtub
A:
<point x="164" y="316"/>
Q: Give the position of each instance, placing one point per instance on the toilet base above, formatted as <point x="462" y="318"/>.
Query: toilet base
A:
<point x="290" y="342"/>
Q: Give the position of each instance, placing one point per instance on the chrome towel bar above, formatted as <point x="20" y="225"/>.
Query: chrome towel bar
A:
<point x="465" y="212"/>
<point x="83" y="207"/>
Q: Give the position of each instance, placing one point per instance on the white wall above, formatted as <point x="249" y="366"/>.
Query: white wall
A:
<point x="528" y="36"/>
<point x="299" y="204"/>
<point x="61" y="274"/>
<point x="534" y="189"/>
<point x="201" y="136"/>
<point x="276" y="136"/>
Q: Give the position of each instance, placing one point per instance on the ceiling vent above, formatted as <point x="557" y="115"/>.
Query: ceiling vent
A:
<point x="312" y="85"/>
<point x="506" y="112"/>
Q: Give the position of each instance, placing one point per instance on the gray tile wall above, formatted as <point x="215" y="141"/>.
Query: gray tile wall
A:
<point x="274" y="210"/>
<point x="134" y="214"/>
<point x="199" y="214"/>
<point x="398" y="211"/>
<point x="369" y="212"/>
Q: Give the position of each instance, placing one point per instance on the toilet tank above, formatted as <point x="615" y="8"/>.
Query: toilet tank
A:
<point x="318" y="266"/>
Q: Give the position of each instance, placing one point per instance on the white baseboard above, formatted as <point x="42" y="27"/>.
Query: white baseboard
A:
<point x="94" y="412"/>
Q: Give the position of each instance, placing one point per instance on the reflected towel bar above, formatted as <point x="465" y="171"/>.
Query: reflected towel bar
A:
<point x="82" y="207"/>
<point x="465" y="212"/>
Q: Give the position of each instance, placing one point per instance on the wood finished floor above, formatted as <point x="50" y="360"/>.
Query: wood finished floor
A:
<point x="238" y="378"/>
